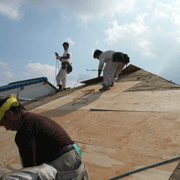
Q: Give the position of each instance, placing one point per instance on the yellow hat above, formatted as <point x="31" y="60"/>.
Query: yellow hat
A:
<point x="11" y="101"/>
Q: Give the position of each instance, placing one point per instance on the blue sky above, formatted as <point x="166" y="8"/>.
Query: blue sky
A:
<point x="32" y="30"/>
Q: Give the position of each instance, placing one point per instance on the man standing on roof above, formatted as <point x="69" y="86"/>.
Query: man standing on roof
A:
<point x="41" y="142"/>
<point x="66" y="59"/>
<point x="115" y="62"/>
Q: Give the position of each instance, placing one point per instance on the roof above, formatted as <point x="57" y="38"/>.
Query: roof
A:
<point x="18" y="84"/>
<point x="133" y="125"/>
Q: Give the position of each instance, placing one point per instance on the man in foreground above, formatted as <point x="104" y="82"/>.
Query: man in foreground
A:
<point x="41" y="141"/>
<point x="115" y="62"/>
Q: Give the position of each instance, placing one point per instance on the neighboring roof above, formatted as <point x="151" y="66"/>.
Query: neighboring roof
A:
<point x="17" y="84"/>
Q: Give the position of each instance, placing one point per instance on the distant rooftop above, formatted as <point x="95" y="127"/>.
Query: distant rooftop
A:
<point x="17" y="84"/>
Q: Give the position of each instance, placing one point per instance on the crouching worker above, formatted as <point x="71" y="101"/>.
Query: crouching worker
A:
<point x="115" y="62"/>
<point x="43" y="145"/>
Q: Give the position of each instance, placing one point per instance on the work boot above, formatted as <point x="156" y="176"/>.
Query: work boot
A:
<point x="112" y="84"/>
<point x="60" y="88"/>
<point x="105" y="88"/>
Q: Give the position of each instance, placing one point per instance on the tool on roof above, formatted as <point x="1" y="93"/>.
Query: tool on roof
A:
<point x="150" y="79"/>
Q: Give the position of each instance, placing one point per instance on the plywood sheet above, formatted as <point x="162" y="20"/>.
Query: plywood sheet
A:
<point x="86" y="97"/>
<point x="163" y="101"/>
<point x="117" y="99"/>
<point x="114" y="143"/>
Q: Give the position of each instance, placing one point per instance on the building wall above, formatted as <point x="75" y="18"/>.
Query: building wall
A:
<point x="31" y="91"/>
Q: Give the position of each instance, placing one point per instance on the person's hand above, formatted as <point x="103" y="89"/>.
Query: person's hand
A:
<point x="57" y="55"/>
<point x="99" y="79"/>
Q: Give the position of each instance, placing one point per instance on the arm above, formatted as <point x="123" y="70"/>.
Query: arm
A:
<point x="65" y="57"/>
<point x="28" y="155"/>
<point x="57" y="56"/>
<point x="34" y="152"/>
<point x="99" y="73"/>
<point x="100" y="67"/>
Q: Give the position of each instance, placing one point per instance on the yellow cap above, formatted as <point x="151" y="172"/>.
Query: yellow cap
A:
<point x="11" y="101"/>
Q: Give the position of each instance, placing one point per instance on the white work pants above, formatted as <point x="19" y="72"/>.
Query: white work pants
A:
<point x="111" y="71"/>
<point x="61" y="78"/>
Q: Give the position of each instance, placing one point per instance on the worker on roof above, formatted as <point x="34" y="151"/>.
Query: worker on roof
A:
<point x="66" y="67"/>
<point x="115" y="62"/>
<point x="41" y="142"/>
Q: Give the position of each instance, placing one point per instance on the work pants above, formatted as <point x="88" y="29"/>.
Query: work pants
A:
<point x="70" y="166"/>
<point x="111" y="71"/>
<point x="42" y="172"/>
<point x="61" y="77"/>
<point x="67" y="166"/>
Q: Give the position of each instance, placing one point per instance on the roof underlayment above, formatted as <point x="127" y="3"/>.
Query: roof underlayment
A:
<point x="133" y="125"/>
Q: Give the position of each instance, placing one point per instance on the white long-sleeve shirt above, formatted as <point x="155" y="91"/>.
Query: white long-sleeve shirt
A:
<point x="104" y="57"/>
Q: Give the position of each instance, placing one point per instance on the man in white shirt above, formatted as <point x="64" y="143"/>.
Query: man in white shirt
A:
<point x="115" y="62"/>
<point x="65" y="59"/>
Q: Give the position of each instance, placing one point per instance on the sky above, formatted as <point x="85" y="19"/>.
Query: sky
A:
<point x="32" y="30"/>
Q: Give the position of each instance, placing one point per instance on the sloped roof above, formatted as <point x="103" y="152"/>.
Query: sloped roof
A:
<point x="17" y="84"/>
<point x="135" y="124"/>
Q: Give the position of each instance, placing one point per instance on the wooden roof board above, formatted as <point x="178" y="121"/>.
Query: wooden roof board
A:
<point x="118" y="99"/>
<point x="114" y="143"/>
<point x="139" y="131"/>
<point x="176" y="173"/>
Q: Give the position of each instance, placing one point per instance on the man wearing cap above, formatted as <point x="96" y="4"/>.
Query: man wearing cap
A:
<point x="40" y="141"/>
<point x="115" y="62"/>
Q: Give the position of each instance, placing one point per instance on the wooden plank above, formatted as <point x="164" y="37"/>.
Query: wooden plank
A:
<point x="176" y="174"/>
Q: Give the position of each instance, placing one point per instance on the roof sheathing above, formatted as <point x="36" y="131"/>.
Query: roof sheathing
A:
<point x="115" y="142"/>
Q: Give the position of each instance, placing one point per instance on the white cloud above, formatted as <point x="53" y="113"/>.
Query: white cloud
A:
<point x="2" y="64"/>
<point x="83" y="10"/>
<point x="8" y="74"/>
<point x="11" y="9"/>
<point x="132" y="36"/>
<point x="152" y="34"/>
<point x="70" y="41"/>
<point x="93" y="10"/>
<point x="43" y="70"/>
